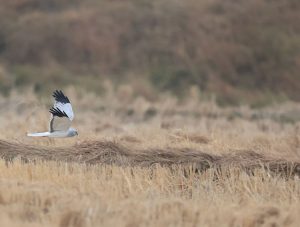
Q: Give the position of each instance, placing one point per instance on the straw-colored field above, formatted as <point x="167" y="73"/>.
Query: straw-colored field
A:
<point x="138" y="163"/>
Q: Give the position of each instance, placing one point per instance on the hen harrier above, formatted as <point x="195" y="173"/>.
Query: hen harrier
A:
<point x="61" y="118"/>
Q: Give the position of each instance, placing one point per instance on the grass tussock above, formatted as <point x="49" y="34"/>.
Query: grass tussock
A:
<point x="113" y="153"/>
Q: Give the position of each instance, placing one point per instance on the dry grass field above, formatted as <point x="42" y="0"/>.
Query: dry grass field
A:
<point x="142" y="163"/>
<point x="152" y="149"/>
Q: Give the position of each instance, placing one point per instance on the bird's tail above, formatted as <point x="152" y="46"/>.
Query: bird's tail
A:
<point x="39" y="134"/>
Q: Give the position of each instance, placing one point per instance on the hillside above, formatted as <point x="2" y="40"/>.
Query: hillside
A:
<point x="240" y="50"/>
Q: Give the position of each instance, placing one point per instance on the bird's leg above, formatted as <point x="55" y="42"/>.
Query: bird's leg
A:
<point x="51" y="141"/>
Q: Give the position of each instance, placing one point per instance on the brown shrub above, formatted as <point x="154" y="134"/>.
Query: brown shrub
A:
<point x="222" y="47"/>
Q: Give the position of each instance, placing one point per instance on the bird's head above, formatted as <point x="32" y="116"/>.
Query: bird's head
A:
<point x="72" y="132"/>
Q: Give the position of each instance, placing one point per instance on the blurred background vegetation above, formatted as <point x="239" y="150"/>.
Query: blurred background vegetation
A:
<point x="240" y="51"/>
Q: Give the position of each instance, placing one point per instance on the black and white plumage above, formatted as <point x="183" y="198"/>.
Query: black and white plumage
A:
<point x="61" y="118"/>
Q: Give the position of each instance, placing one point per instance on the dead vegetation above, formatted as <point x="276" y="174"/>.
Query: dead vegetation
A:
<point x="113" y="153"/>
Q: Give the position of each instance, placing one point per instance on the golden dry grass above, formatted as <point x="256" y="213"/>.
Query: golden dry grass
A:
<point x="139" y="163"/>
<point x="61" y="194"/>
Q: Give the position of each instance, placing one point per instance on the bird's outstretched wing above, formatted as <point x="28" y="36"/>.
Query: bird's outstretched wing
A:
<point x="62" y="113"/>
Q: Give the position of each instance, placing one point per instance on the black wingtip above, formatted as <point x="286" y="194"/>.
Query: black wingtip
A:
<point x="60" y="97"/>
<point x="57" y="112"/>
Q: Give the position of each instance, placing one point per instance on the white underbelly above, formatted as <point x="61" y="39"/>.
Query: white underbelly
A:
<point x="59" y="134"/>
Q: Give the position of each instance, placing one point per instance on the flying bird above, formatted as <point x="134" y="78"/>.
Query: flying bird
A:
<point x="61" y="118"/>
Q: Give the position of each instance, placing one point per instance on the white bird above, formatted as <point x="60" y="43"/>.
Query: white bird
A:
<point x="61" y="118"/>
